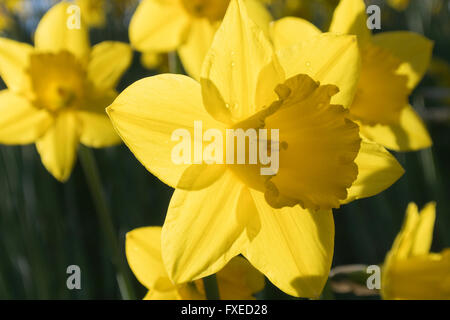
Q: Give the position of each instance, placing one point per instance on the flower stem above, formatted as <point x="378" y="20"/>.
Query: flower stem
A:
<point x="211" y="287"/>
<point x="91" y="172"/>
<point x="174" y="65"/>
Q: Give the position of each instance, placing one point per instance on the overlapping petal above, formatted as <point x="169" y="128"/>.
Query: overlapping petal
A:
<point x="107" y="63"/>
<point x="193" y="51"/>
<point x="14" y="61"/>
<point x="96" y="129"/>
<point x="350" y="18"/>
<point x="143" y="250"/>
<point x="238" y="53"/>
<point x="328" y="58"/>
<point x="290" y="31"/>
<point x="409" y="134"/>
<point x="293" y="248"/>
<point x="159" y="25"/>
<point x="412" y="49"/>
<point x="203" y="230"/>
<point x="377" y="171"/>
<point x="239" y="280"/>
<point x="54" y="33"/>
<point x="20" y="121"/>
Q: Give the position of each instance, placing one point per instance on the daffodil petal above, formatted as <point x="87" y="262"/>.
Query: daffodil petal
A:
<point x="424" y="277"/>
<point x="350" y="18"/>
<point x="20" y="121"/>
<point x="202" y="232"/>
<point x="14" y="60"/>
<point x="158" y="25"/>
<point x="414" y="50"/>
<point x="294" y="247"/>
<point x="377" y="171"/>
<point x="162" y="295"/>
<point x="238" y="53"/>
<point x="382" y="92"/>
<point x="416" y="234"/>
<point x="54" y="34"/>
<point x="95" y="127"/>
<point x="194" y="49"/>
<point x="329" y="59"/>
<point x="108" y="61"/>
<point x="404" y="242"/>
<point x="269" y="78"/>
<point x="143" y="250"/>
<point x="259" y="14"/>
<point x="97" y="130"/>
<point x="148" y="112"/>
<point x="239" y="280"/>
<point x="409" y="134"/>
<point x="201" y="34"/>
<point x="290" y="31"/>
<point x="58" y="146"/>
<point x="423" y="235"/>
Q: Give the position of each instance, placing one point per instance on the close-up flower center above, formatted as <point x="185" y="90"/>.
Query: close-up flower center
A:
<point x="58" y="80"/>
<point x="317" y="148"/>
<point x="213" y="10"/>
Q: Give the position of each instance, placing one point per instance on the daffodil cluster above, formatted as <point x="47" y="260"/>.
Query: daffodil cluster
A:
<point x="338" y="99"/>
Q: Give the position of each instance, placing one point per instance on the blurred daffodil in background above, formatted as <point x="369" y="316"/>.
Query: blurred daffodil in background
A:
<point x="238" y="280"/>
<point x="393" y="63"/>
<point x="411" y="271"/>
<point x="282" y="223"/>
<point x="5" y="20"/>
<point x="6" y="8"/>
<point x="188" y="26"/>
<point x="93" y="12"/>
<point x="58" y="90"/>
<point x="399" y="4"/>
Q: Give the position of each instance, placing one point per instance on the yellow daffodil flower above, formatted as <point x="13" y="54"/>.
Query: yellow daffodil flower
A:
<point x="281" y="223"/>
<point x="238" y="280"/>
<point x="58" y="90"/>
<point x="184" y="25"/>
<point x="410" y="270"/>
<point x="392" y="65"/>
